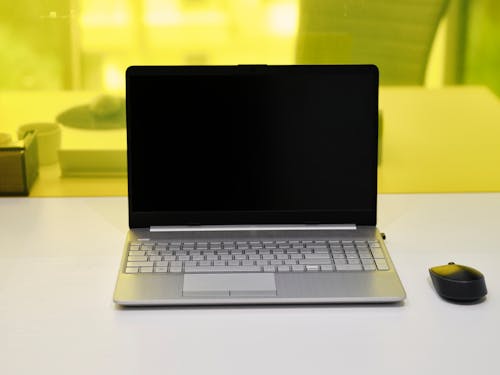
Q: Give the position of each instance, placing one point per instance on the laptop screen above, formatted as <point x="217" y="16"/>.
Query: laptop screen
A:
<point x="252" y="144"/>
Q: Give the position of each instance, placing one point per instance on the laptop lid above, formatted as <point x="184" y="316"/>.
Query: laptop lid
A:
<point x="233" y="145"/>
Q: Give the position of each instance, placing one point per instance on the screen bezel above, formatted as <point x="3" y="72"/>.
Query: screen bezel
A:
<point x="141" y="219"/>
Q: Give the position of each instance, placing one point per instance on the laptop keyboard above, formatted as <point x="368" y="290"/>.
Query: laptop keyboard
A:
<point x="255" y="256"/>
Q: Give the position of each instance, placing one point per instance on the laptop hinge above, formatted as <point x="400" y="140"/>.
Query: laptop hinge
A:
<point x="226" y="228"/>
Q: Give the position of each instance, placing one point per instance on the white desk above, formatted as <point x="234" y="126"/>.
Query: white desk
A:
<point x="59" y="259"/>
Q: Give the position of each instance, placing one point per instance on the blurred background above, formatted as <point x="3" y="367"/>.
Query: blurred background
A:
<point x="87" y="44"/>
<point x="63" y="62"/>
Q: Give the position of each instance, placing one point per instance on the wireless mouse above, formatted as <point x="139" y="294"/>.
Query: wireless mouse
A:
<point x="458" y="283"/>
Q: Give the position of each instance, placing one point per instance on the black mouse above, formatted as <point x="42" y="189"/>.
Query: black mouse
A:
<point x="458" y="283"/>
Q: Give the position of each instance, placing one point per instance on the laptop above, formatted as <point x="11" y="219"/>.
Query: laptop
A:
<point x="253" y="185"/>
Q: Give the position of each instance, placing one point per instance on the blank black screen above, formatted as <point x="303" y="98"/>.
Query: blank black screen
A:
<point x="273" y="143"/>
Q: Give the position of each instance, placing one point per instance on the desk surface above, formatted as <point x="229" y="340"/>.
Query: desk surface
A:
<point x="59" y="259"/>
<point x="433" y="140"/>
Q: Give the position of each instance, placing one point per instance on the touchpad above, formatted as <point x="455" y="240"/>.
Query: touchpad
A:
<point x="229" y="284"/>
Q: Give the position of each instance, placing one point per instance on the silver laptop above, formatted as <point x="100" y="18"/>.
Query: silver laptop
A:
<point x="253" y="185"/>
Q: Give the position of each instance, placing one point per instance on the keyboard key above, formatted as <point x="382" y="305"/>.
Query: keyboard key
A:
<point x="222" y="269"/>
<point x="378" y="253"/>
<point x="137" y="258"/>
<point x="136" y="253"/>
<point x="146" y="269"/>
<point x="140" y="264"/>
<point x="349" y="267"/>
<point x="367" y="261"/>
<point x="317" y="256"/>
<point x="131" y="269"/>
<point x="314" y="261"/>
<point x="327" y="267"/>
<point x="269" y="268"/>
<point x="161" y="269"/>
<point x="298" y="268"/>
<point x="321" y="251"/>
<point x="312" y="268"/>
<point x="283" y="268"/>
<point x="381" y="264"/>
<point x="320" y="247"/>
